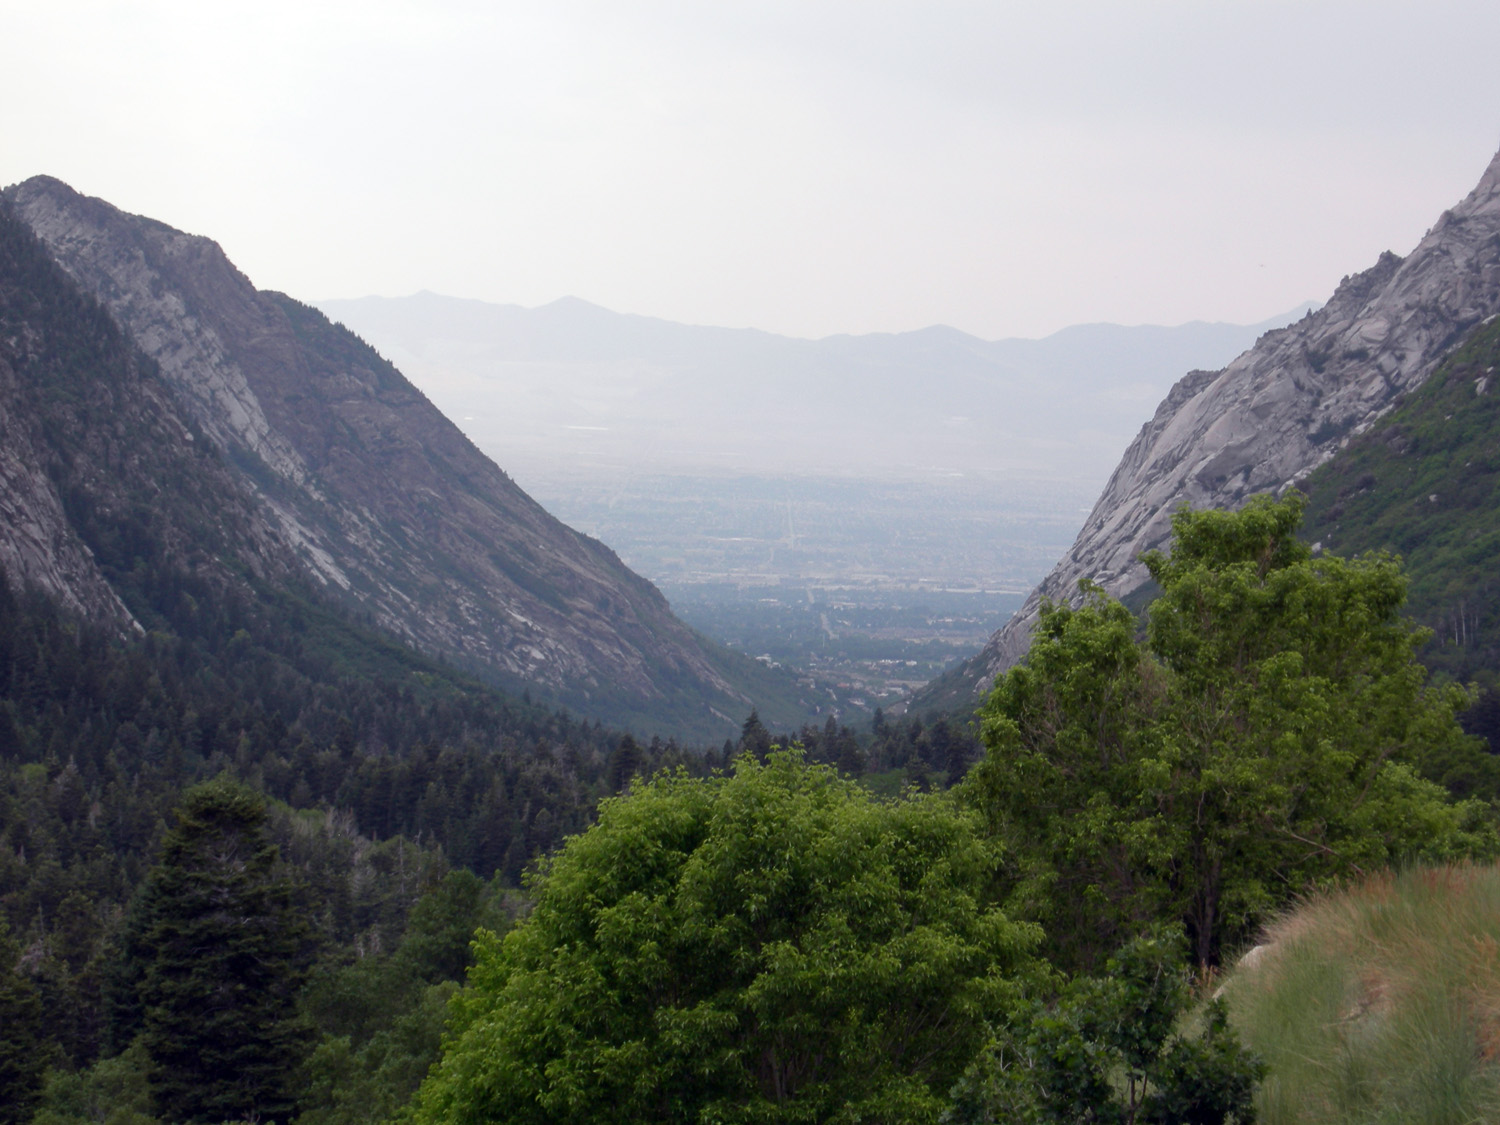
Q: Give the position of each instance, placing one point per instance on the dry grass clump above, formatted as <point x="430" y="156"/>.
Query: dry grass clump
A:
<point x="1380" y="1003"/>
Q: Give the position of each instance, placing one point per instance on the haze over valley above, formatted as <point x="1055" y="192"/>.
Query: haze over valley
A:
<point x="865" y="508"/>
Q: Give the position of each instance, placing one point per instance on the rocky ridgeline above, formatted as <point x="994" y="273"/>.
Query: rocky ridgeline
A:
<point x="1274" y="414"/>
<point x="379" y="499"/>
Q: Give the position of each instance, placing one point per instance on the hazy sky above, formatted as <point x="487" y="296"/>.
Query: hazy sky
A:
<point x="806" y="168"/>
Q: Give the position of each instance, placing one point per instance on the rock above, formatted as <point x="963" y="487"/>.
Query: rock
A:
<point x="352" y="474"/>
<point x="1279" y="410"/>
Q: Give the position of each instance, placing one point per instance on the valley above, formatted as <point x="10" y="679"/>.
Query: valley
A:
<point x="859" y="511"/>
<point x="749" y="563"/>
<point x="864" y="647"/>
<point x="256" y="583"/>
<point x="867" y="589"/>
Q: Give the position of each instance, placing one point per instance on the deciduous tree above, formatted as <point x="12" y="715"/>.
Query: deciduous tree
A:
<point x="777" y="945"/>
<point x="1265" y="738"/>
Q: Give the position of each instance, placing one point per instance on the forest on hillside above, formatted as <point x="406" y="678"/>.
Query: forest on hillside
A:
<point x="384" y="775"/>
<point x="383" y="817"/>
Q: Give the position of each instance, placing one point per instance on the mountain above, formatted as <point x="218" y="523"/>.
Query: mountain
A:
<point x="1424" y="483"/>
<point x="263" y="441"/>
<point x="572" y="384"/>
<point x="1274" y="414"/>
<point x="100" y="468"/>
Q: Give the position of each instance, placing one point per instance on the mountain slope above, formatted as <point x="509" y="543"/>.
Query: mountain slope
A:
<point x="358" y="484"/>
<point x="1275" y="413"/>
<point x="100" y="468"/>
<point x="1424" y="482"/>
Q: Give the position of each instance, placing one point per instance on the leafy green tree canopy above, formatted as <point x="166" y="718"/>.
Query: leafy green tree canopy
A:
<point x="1266" y="737"/>
<point x="776" y="945"/>
<point x="1116" y="1048"/>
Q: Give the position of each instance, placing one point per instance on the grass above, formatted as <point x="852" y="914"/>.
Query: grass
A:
<point x="1380" y="1004"/>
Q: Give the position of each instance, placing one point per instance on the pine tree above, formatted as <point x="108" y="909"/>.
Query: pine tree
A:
<point x="754" y="737"/>
<point x="23" y="1054"/>
<point x="228" y="955"/>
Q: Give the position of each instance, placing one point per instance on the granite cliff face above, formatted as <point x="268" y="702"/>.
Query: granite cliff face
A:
<point x="98" y="465"/>
<point x="1274" y="414"/>
<point x="354" y="479"/>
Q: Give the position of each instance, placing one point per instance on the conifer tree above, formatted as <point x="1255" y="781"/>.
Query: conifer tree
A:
<point x="228" y="955"/>
<point x="23" y="1057"/>
<point x="754" y="737"/>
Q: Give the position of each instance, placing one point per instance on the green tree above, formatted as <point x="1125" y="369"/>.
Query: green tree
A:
<point x="754" y="737"/>
<point x="776" y="945"/>
<point x="113" y="1091"/>
<point x="1264" y="739"/>
<point x="24" y="1051"/>
<point x="228" y="952"/>
<point x="1116" y="1048"/>
<point x="382" y="1016"/>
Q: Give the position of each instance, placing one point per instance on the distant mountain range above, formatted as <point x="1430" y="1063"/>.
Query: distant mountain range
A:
<point x="236" y="441"/>
<point x="1295" y="401"/>
<point x="572" y="386"/>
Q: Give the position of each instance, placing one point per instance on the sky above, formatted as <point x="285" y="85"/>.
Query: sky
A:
<point x="805" y="168"/>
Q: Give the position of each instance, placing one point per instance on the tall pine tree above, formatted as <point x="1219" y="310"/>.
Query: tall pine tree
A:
<point x="23" y="1057"/>
<point x="229" y="952"/>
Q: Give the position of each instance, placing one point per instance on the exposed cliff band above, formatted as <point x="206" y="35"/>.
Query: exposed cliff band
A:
<point x="381" y="500"/>
<point x="1275" y="413"/>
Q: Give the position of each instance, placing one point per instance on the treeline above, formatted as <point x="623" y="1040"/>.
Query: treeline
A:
<point x="384" y="771"/>
<point x="934" y="753"/>
<point x="99" y="739"/>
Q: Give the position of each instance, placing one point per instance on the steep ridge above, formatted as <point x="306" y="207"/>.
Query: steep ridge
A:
<point x="99" y="469"/>
<point x="1274" y="414"/>
<point x="1424" y="483"/>
<point x="380" y="500"/>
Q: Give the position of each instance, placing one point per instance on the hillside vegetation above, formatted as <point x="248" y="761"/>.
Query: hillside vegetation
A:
<point x="1424" y="483"/>
<point x="1380" y="1003"/>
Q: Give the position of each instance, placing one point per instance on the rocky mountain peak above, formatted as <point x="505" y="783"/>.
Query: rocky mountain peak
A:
<point x="1276" y="412"/>
<point x="377" y="498"/>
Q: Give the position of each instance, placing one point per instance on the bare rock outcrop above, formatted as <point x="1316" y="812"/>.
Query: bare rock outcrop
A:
<point x="38" y="546"/>
<point x="1278" y="411"/>
<point x="382" y="501"/>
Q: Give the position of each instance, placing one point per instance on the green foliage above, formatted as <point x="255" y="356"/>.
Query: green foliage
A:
<point x="381" y="1016"/>
<point x="23" y="1053"/>
<point x="227" y="952"/>
<point x="775" y="945"/>
<point x="1424" y="482"/>
<point x="1261" y="742"/>
<point x="351" y="1082"/>
<point x="1377" y="1003"/>
<point x="114" y="1091"/>
<point x="98" y="739"/>
<point x="1114" y="1049"/>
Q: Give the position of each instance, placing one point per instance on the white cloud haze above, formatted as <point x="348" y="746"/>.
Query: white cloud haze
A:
<point x="804" y="168"/>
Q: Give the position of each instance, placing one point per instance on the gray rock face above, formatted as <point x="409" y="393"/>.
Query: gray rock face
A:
<point x="1279" y="410"/>
<point x="379" y="498"/>
<point x="38" y="546"/>
<point x="96" y="456"/>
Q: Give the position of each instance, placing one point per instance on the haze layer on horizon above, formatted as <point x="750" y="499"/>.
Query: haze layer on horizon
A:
<point x="807" y="169"/>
